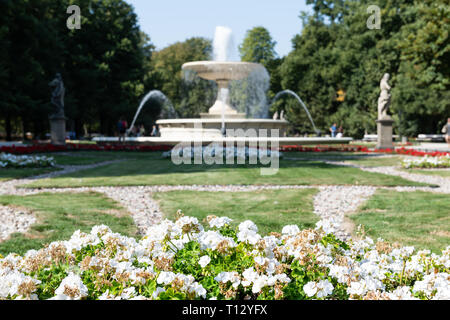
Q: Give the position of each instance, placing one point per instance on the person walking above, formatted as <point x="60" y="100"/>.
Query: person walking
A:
<point x="333" y="130"/>
<point x="122" y="126"/>
<point x="141" y="131"/>
<point x="446" y="130"/>
<point x="340" y="132"/>
<point x="154" y="131"/>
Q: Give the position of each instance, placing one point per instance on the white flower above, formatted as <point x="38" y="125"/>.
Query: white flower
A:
<point x="357" y="288"/>
<point x="71" y="288"/>
<point x="165" y="277"/>
<point x="211" y="239"/>
<point x="402" y="293"/>
<point x="290" y="230"/>
<point x="320" y="289"/>
<point x="249" y="236"/>
<point x="219" y="222"/>
<point x="310" y="288"/>
<point x="248" y="226"/>
<point x="204" y="261"/>
<point x="232" y="277"/>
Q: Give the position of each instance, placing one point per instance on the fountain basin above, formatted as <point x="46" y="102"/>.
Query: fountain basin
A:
<point x="222" y="70"/>
<point x="210" y="128"/>
<point x="283" y="141"/>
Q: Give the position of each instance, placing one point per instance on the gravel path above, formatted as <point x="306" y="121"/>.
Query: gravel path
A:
<point x="442" y="183"/>
<point x="331" y="203"/>
<point x="14" y="220"/>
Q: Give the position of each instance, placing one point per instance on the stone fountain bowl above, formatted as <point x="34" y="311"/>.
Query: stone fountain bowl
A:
<point x="218" y="70"/>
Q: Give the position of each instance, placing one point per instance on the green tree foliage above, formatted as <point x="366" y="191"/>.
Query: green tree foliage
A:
<point x="337" y="51"/>
<point x="251" y="95"/>
<point x="102" y="64"/>
<point x="258" y="46"/>
<point x="189" y="94"/>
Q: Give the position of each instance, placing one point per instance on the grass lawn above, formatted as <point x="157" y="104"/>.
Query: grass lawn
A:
<point x="153" y="170"/>
<point x="91" y="157"/>
<point x="418" y="218"/>
<point x="269" y="209"/>
<point x="437" y="172"/>
<point x="59" y="215"/>
<point x="377" y="161"/>
<point x="358" y="158"/>
<point x="13" y="173"/>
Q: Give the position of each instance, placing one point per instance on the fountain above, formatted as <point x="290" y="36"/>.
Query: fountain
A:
<point x="292" y="93"/>
<point x="165" y="111"/>
<point x="222" y="115"/>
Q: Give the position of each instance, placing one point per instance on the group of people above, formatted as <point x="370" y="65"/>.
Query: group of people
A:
<point x="122" y="128"/>
<point x="336" y="132"/>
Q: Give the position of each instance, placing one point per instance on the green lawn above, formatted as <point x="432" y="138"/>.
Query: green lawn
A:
<point x="377" y="161"/>
<point x="13" y="173"/>
<point x="418" y="218"/>
<point x="442" y="173"/>
<point x="59" y="215"/>
<point x="153" y="170"/>
<point x="269" y="209"/>
<point x="91" y="157"/>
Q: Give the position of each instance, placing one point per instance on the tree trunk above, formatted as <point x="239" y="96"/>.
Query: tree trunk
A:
<point x="8" y="127"/>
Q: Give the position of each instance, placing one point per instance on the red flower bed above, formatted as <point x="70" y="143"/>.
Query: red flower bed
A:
<point x="356" y="148"/>
<point x="40" y="148"/>
<point x="319" y="148"/>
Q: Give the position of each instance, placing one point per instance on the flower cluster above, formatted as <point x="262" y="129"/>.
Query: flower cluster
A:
<point x="365" y="149"/>
<point x="427" y="162"/>
<point x="212" y="152"/>
<point x="41" y="148"/>
<point x="12" y="161"/>
<point x="184" y="260"/>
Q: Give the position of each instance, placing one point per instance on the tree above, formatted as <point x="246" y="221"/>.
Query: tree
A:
<point x="102" y="64"/>
<point x="337" y="52"/>
<point x="258" y="46"/>
<point x="189" y="94"/>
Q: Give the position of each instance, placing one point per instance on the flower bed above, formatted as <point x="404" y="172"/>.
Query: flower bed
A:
<point x="211" y="152"/>
<point x="41" y="148"/>
<point x="356" y="148"/>
<point x="12" y="161"/>
<point x="182" y="260"/>
<point x="427" y="162"/>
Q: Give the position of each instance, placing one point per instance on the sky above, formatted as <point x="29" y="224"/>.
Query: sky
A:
<point x="169" y="21"/>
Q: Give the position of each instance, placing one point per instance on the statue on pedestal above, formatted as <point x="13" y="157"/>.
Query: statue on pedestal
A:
<point x="57" y="96"/>
<point x="384" y="122"/>
<point x="58" y="119"/>
<point x="385" y="97"/>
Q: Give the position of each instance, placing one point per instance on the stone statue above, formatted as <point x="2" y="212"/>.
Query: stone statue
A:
<point x="57" y="96"/>
<point x="385" y="98"/>
<point x="282" y="115"/>
<point x="275" y="115"/>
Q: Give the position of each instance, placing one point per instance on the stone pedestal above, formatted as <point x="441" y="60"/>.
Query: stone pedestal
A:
<point x="384" y="129"/>
<point x="58" y="130"/>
